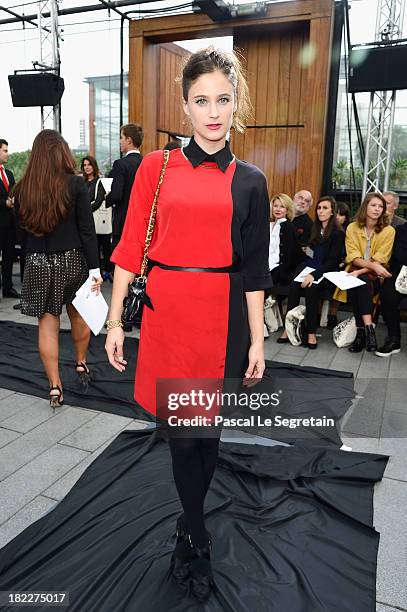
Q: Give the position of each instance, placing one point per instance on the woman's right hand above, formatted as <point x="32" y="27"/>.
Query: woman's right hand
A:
<point x="380" y="270"/>
<point x="114" y="348"/>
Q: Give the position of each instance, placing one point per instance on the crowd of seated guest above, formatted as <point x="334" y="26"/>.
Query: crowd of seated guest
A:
<point x="368" y="247"/>
<point x="323" y="253"/>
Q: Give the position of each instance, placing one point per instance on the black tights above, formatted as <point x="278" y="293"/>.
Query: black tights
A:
<point x="312" y="300"/>
<point x="362" y="298"/>
<point x="193" y="464"/>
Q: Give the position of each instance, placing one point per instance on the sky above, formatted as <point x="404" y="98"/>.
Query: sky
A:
<point x="90" y="47"/>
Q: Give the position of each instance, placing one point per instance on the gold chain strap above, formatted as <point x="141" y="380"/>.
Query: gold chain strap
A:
<point x="153" y="214"/>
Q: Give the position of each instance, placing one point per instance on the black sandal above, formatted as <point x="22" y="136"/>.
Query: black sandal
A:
<point x="83" y="374"/>
<point x="182" y="555"/>
<point x="201" y="576"/>
<point x="56" y="399"/>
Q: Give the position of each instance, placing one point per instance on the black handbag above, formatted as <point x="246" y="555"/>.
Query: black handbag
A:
<point x="134" y="302"/>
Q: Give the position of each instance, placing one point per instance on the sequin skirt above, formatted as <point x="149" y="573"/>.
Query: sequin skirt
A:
<point x="51" y="280"/>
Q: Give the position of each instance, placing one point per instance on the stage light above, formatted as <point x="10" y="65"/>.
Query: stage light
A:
<point x="217" y="10"/>
<point x="248" y="10"/>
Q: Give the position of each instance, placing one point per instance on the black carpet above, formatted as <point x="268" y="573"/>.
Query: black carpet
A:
<point x="291" y="527"/>
<point x="21" y="370"/>
<point x="304" y="391"/>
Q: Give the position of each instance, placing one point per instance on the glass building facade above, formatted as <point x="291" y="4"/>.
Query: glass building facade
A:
<point x="104" y="117"/>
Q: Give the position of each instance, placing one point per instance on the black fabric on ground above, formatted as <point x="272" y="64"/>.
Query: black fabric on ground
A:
<point x="306" y="390"/>
<point x="291" y="529"/>
<point x="303" y="393"/>
<point x="21" y="370"/>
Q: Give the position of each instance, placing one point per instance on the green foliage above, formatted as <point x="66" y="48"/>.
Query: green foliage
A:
<point x="342" y="175"/>
<point x="398" y="176"/>
<point x="17" y="163"/>
<point x="106" y="169"/>
<point x="78" y="159"/>
<point x="399" y="142"/>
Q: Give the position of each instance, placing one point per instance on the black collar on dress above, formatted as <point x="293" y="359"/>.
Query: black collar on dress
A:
<point x="196" y="155"/>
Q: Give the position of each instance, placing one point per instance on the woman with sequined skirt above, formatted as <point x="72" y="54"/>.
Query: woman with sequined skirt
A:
<point x="54" y="213"/>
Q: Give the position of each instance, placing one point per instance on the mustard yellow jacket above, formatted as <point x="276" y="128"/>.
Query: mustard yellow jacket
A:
<point x="381" y="247"/>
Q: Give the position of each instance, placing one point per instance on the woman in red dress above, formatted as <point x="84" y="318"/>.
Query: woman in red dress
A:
<point x="210" y="254"/>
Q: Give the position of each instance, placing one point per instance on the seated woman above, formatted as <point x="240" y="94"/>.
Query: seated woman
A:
<point x="343" y="215"/>
<point x="284" y="252"/>
<point x="390" y="298"/>
<point x="324" y="254"/>
<point x="369" y="243"/>
<point x="343" y="220"/>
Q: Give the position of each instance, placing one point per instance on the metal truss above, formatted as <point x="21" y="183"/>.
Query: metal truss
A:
<point x="379" y="141"/>
<point x="389" y="19"/>
<point x="389" y="24"/>
<point x="49" y="61"/>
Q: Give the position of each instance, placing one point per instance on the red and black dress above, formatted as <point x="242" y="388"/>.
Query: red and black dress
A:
<point x="213" y="213"/>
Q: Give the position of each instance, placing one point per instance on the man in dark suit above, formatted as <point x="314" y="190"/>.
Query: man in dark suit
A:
<point x="123" y="174"/>
<point x="7" y="223"/>
<point x="302" y="221"/>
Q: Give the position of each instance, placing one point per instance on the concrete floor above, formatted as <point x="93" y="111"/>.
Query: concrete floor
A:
<point x="43" y="454"/>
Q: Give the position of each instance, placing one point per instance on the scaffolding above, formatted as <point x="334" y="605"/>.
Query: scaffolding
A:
<point x="377" y="167"/>
<point x="49" y="56"/>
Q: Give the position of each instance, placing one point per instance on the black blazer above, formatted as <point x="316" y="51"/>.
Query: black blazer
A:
<point x="333" y="253"/>
<point x="303" y="227"/>
<point x="123" y="174"/>
<point x="75" y="231"/>
<point x="6" y="214"/>
<point x="290" y="254"/>
<point x="399" y="255"/>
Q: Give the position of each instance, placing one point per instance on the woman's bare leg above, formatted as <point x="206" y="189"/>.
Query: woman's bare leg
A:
<point x="48" y="343"/>
<point x="80" y="333"/>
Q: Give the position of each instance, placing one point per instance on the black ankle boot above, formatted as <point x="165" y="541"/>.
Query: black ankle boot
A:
<point x="359" y="342"/>
<point x="202" y="582"/>
<point x="371" y="342"/>
<point x="183" y="554"/>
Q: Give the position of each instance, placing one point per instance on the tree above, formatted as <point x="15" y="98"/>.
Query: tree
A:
<point x="18" y="162"/>
<point x="398" y="175"/>
<point x="399" y="145"/>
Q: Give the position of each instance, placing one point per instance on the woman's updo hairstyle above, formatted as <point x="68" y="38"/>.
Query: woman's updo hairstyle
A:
<point x="208" y="60"/>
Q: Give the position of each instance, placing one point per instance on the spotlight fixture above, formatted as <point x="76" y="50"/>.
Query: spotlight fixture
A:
<point x="249" y="9"/>
<point x="217" y="10"/>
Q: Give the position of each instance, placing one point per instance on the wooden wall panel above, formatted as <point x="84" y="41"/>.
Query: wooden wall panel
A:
<point x="286" y="136"/>
<point x="289" y="100"/>
<point x="276" y="83"/>
<point x="317" y="99"/>
<point x="154" y="95"/>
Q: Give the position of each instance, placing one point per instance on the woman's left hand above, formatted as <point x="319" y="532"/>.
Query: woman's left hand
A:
<point x="96" y="284"/>
<point x="307" y="282"/>
<point x="255" y="370"/>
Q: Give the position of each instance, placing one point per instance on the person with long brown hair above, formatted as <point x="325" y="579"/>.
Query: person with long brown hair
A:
<point x="324" y="253"/>
<point x="97" y="194"/>
<point x="54" y="212"/>
<point x="209" y="269"/>
<point x="369" y="244"/>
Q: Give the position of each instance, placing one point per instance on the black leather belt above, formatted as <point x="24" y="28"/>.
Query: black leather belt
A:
<point x="227" y="269"/>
